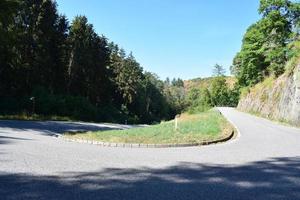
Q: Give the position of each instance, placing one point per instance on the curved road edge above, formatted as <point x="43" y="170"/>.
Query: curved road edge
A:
<point x="228" y="138"/>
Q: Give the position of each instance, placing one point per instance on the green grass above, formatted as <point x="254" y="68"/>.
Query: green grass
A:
<point x="191" y="129"/>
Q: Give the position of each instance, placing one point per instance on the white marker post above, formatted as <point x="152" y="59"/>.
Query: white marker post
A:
<point x="176" y="122"/>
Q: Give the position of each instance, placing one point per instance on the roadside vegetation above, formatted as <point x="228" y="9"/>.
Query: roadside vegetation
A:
<point x="218" y="90"/>
<point x="34" y="117"/>
<point x="265" y="67"/>
<point x="269" y="43"/>
<point x="205" y="126"/>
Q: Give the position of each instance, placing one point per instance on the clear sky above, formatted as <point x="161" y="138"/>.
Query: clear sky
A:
<point x="172" y="38"/>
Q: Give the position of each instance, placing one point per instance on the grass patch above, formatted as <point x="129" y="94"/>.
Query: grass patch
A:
<point x="194" y="128"/>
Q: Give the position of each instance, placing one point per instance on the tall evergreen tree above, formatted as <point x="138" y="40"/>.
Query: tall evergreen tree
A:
<point x="88" y="63"/>
<point x="37" y="48"/>
<point x="51" y="47"/>
<point x="8" y="11"/>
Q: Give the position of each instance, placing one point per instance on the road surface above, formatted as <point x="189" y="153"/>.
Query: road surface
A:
<point x="262" y="163"/>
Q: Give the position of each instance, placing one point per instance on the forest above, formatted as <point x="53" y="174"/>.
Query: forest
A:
<point x="268" y="43"/>
<point x="50" y="66"/>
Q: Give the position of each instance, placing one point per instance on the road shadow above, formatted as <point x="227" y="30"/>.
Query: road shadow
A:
<point x="52" y="128"/>
<point x="276" y="178"/>
<point x="7" y="139"/>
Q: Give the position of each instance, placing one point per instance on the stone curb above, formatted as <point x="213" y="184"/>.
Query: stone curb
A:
<point x="130" y="145"/>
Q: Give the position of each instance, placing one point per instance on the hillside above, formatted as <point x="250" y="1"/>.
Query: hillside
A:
<point x="277" y="99"/>
<point x="268" y="65"/>
<point x="206" y="82"/>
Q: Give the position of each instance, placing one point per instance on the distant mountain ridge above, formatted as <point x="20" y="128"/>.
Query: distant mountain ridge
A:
<point x="206" y="82"/>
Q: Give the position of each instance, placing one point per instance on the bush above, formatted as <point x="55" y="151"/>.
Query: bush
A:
<point x="48" y="106"/>
<point x="198" y="109"/>
<point x="75" y="107"/>
<point x="9" y="105"/>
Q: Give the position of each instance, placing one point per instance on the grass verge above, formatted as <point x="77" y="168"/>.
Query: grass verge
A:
<point x="194" y="128"/>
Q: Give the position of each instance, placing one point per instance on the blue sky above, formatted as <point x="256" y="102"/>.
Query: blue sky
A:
<point x="172" y="38"/>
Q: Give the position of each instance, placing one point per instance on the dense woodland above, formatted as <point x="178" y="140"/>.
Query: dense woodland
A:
<point x="269" y="43"/>
<point x="52" y="67"/>
<point x="70" y="70"/>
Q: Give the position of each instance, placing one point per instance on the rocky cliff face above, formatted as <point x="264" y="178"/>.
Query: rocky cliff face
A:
<point x="277" y="99"/>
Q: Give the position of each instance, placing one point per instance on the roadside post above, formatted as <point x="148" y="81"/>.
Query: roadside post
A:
<point x="33" y="104"/>
<point x="176" y="122"/>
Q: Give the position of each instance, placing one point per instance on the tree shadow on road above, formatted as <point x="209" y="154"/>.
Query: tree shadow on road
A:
<point x="276" y="178"/>
<point x="7" y="139"/>
<point x="52" y="128"/>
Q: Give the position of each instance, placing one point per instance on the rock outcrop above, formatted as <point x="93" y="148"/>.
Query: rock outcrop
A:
<point x="277" y="99"/>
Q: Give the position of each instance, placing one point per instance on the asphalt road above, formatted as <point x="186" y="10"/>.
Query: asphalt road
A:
<point x="262" y="163"/>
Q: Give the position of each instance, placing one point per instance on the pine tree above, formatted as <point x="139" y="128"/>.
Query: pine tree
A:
<point x="88" y="63"/>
